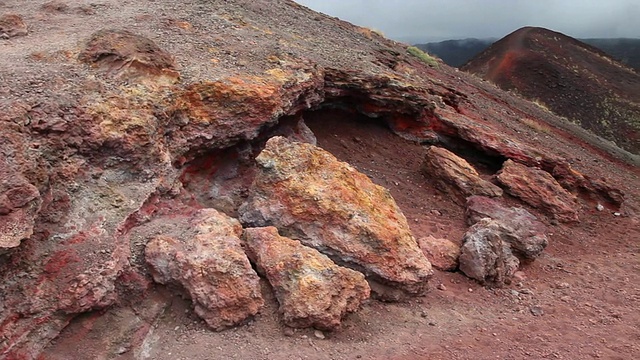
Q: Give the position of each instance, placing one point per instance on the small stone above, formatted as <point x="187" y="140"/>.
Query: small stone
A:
<point x="436" y="212"/>
<point x="442" y="287"/>
<point x="536" y="311"/>
<point x="526" y="291"/>
<point x="176" y="328"/>
<point x="470" y="290"/>
<point x="121" y="350"/>
<point x="319" y="334"/>
<point x="616" y="214"/>
<point x="424" y="314"/>
<point x="432" y="324"/>
<point x="599" y="207"/>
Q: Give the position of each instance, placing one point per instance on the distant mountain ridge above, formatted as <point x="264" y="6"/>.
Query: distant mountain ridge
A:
<point x="457" y="52"/>
<point x="571" y="78"/>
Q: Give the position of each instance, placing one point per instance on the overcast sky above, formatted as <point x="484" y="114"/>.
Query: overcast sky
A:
<point x="431" y="20"/>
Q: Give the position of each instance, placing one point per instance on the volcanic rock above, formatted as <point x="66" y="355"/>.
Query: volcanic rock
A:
<point x="12" y="25"/>
<point x="326" y="204"/>
<point x="19" y="203"/>
<point x="526" y="235"/>
<point x="311" y="289"/>
<point x="123" y="53"/>
<point x="454" y="173"/>
<point x="442" y="253"/>
<point x="486" y="254"/>
<point x="206" y="258"/>
<point x="539" y="189"/>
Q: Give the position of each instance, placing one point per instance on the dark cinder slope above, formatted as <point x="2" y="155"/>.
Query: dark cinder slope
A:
<point x="571" y="78"/>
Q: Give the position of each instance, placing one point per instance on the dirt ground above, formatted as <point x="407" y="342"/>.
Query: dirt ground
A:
<point x="579" y="300"/>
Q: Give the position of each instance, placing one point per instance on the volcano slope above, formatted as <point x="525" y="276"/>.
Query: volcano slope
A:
<point x="139" y="139"/>
<point x="571" y="78"/>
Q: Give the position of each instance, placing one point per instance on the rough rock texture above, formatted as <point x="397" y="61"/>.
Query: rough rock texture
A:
<point x="527" y="235"/>
<point x="128" y="55"/>
<point x="12" y="25"/>
<point x="455" y="173"/>
<point x="211" y="266"/>
<point x="442" y="253"/>
<point x="539" y="189"/>
<point x="326" y="204"/>
<point x="311" y="289"/>
<point x="486" y="254"/>
<point x="108" y="152"/>
<point x="19" y="203"/>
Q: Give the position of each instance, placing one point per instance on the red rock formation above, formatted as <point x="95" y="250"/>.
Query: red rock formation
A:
<point x="454" y="173"/>
<point x="539" y="189"/>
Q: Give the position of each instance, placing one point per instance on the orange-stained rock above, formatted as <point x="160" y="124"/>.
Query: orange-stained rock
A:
<point x="442" y="253"/>
<point x="539" y="189"/>
<point x="455" y="173"/>
<point x="12" y="25"/>
<point x="312" y="290"/>
<point x="217" y="114"/>
<point x="486" y="253"/>
<point x="310" y="196"/>
<point x="122" y="53"/>
<point x="204" y="256"/>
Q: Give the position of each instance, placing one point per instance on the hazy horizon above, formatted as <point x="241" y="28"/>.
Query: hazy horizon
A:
<point x="416" y="21"/>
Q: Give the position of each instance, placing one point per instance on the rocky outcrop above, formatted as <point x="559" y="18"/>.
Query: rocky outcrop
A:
<point x="442" y="253"/>
<point x="526" y="235"/>
<point x="12" y="25"/>
<point x="205" y="257"/>
<point x="326" y="204"/>
<point x="121" y="53"/>
<point x="539" y="189"/>
<point x="455" y="174"/>
<point x="486" y="254"/>
<point x="311" y="289"/>
<point x="19" y="203"/>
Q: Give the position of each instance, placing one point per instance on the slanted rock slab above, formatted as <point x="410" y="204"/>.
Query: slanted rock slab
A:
<point x="310" y="196"/>
<point x="527" y="235"/>
<point x="442" y="253"/>
<point x="311" y="289"/>
<point x="454" y="173"/>
<point x="539" y="189"/>
<point x="206" y="258"/>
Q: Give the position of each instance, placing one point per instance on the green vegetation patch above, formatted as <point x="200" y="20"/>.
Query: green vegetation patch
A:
<point x="423" y="56"/>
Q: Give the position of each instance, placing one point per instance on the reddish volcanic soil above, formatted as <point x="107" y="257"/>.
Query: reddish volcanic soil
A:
<point x="579" y="300"/>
